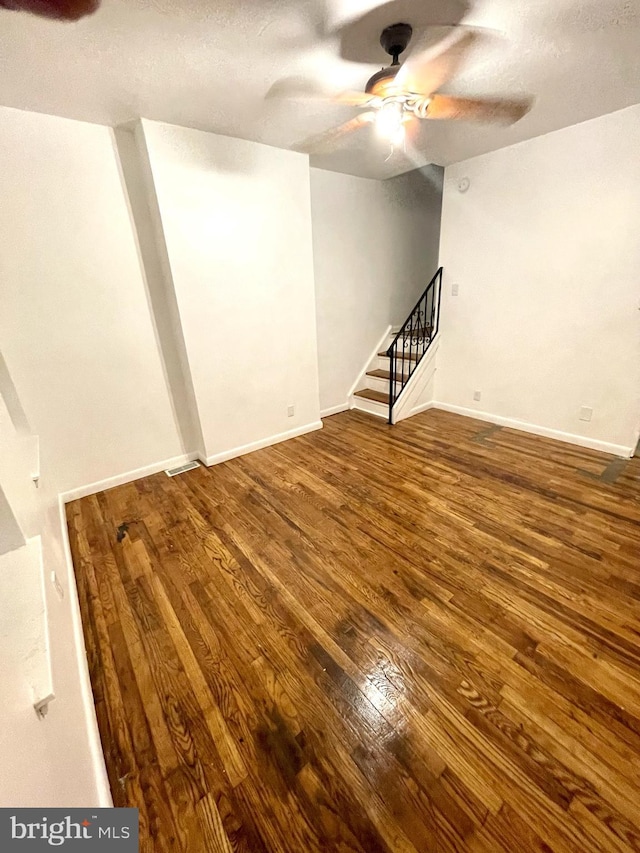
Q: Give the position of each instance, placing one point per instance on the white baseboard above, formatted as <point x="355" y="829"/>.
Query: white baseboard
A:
<point x="558" y="435"/>
<point x="148" y="470"/>
<point x="422" y="408"/>
<point x="263" y="442"/>
<point x="105" y="799"/>
<point x="128" y="477"/>
<point x="334" y="410"/>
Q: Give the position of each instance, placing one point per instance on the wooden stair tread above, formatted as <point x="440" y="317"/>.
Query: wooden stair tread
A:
<point x="407" y="356"/>
<point x="368" y="394"/>
<point x="384" y="374"/>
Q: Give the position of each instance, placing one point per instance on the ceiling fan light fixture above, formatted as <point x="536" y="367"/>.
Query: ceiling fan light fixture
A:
<point x="401" y="96"/>
<point x="382" y="83"/>
<point x="389" y="122"/>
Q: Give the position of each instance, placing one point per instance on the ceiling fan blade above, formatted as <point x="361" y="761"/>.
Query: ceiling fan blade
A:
<point x="68" y="10"/>
<point x="412" y="129"/>
<point x="436" y="58"/>
<point x="328" y="139"/>
<point x="501" y="110"/>
<point x="300" y="88"/>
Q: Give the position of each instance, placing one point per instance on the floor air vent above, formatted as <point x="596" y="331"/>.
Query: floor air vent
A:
<point x="189" y="466"/>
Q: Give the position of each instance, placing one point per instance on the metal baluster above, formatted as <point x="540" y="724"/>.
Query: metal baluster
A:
<point x="392" y="351"/>
<point x="404" y="351"/>
<point x="432" y="309"/>
<point x="422" y="325"/>
<point x="413" y="337"/>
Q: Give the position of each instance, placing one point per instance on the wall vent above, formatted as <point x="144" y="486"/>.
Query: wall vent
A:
<point x="189" y="466"/>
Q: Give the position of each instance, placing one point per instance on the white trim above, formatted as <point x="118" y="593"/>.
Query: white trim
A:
<point x="558" y="435"/>
<point x="361" y="376"/>
<point x="417" y="383"/>
<point x="128" y="477"/>
<point x="334" y="410"/>
<point x="264" y="442"/>
<point x="372" y="407"/>
<point x="101" y="778"/>
<point x="423" y="408"/>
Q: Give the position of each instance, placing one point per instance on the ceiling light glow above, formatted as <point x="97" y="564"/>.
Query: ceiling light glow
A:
<point x="389" y="122"/>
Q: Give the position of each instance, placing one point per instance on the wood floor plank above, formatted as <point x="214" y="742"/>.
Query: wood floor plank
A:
<point x="372" y="639"/>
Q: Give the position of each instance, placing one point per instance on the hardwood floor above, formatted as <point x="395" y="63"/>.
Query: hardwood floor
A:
<point x="418" y="638"/>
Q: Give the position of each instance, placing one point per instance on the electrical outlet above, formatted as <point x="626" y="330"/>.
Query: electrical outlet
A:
<point x="291" y="411"/>
<point x="477" y="395"/>
<point x="585" y="413"/>
<point x="455" y="289"/>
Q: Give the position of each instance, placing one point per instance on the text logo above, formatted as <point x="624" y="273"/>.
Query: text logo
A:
<point x="102" y="830"/>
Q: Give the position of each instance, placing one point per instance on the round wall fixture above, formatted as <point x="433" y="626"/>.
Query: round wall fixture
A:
<point x="463" y="185"/>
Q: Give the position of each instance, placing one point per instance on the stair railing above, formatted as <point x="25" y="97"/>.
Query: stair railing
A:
<point x="413" y="340"/>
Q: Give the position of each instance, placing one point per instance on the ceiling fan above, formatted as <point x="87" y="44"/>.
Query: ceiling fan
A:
<point x="399" y="95"/>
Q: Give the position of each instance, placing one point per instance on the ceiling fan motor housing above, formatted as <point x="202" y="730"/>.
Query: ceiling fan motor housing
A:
<point x="394" y="40"/>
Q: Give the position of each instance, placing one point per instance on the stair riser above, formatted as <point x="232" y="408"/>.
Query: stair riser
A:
<point x="371" y="406"/>
<point x="383" y="364"/>
<point x="377" y="384"/>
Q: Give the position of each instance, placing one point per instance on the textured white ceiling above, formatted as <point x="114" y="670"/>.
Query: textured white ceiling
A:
<point x="209" y="63"/>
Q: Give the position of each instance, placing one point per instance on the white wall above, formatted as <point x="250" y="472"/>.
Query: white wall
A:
<point x="237" y="226"/>
<point x="81" y="370"/>
<point x="16" y="489"/>
<point x="75" y="325"/>
<point x="375" y="249"/>
<point x="544" y="247"/>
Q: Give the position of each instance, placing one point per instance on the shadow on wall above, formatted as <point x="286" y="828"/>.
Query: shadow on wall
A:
<point x="9" y="394"/>
<point x="419" y="194"/>
<point x="11" y="535"/>
<point x="420" y="188"/>
<point x="139" y="191"/>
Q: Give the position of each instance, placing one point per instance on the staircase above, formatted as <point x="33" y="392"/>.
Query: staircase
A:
<point x="390" y="371"/>
<point x="374" y="397"/>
